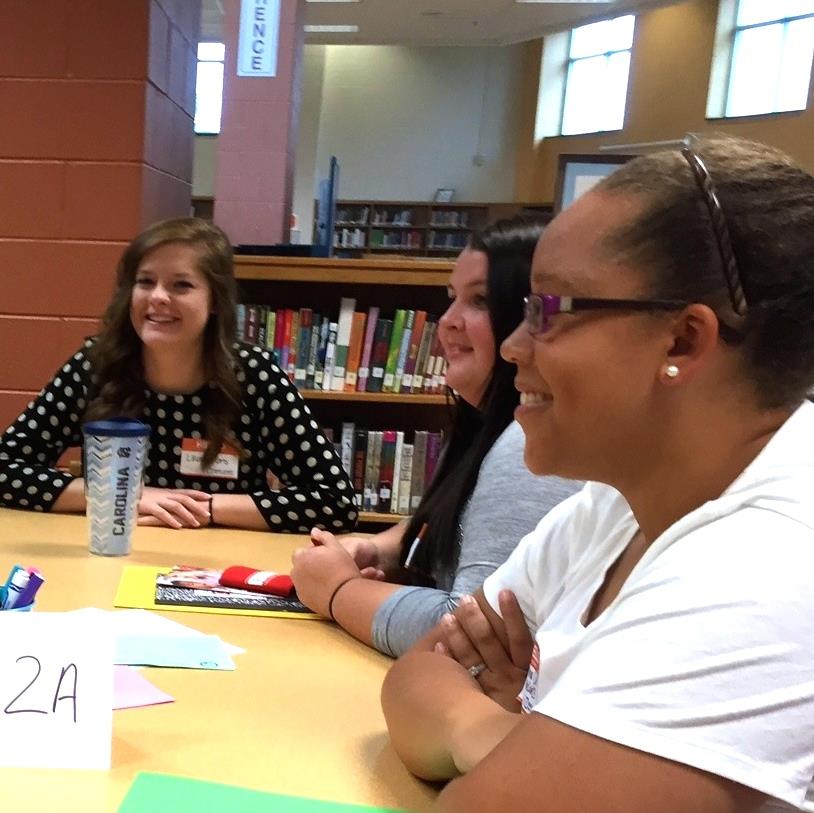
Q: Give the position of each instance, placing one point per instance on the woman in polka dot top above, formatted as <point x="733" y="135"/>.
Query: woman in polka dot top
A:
<point x="223" y="415"/>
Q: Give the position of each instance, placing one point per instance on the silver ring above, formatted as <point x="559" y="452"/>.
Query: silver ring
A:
<point x="476" y="669"/>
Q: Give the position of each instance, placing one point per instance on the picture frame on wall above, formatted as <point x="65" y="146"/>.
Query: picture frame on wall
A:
<point x="443" y="195"/>
<point x="577" y="173"/>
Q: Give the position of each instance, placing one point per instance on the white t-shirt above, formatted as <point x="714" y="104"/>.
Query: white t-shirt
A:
<point x="706" y="656"/>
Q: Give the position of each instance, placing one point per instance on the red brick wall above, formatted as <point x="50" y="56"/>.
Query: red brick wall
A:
<point x="97" y="99"/>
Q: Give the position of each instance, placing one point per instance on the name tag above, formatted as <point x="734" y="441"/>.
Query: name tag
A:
<point x="224" y="466"/>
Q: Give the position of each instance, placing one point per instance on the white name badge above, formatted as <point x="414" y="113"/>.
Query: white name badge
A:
<point x="56" y="690"/>
<point x="224" y="466"/>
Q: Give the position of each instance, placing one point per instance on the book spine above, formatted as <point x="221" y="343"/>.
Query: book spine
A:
<point x="419" y="465"/>
<point x="303" y="340"/>
<point x="375" y="465"/>
<point x="388" y="455"/>
<point x="251" y="324"/>
<point x="405" y="478"/>
<point x="240" y="327"/>
<point x="404" y="349"/>
<point x="344" y="325"/>
<point x="367" y="349"/>
<point x="262" y="312"/>
<point x="394" y="495"/>
<point x="379" y="358"/>
<point x="313" y="346"/>
<point x="357" y="332"/>
<point x="433" y="452"/>
<point x="346" y="445"/>
<point x="393" y="350"/>
<point x="432" y="361"/>
<point x="271" y="325"/>
<point x="412" y="353"/>
<point x="279" y="328"/>
<point x="285" y="345"/>
<point x="359" y="465"/>
<point x="423" y="354"/>
<point x="293" y="344"/>
<point x="330" y="350"/>
<point x="319" y="370"/>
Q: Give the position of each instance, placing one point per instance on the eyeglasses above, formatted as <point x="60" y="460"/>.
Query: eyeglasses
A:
<point x="732" y="323"/>
<point x="539" y="308"/>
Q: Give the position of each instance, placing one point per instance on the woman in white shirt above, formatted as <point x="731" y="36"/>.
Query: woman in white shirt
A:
<point x="666" y="352"/>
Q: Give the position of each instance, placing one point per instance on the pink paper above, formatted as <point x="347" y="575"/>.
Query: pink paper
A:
<point x="131" y="689"/>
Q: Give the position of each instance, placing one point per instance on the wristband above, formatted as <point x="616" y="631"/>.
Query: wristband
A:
<point x="211" y="513"/>
<point x="333" y="595"/>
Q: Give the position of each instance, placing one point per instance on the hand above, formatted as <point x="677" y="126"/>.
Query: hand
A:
<point x="366" y="554"/>
<point x="319" y="569"/>
<point x="470" y="640"/>
<point x="173" y="508"/>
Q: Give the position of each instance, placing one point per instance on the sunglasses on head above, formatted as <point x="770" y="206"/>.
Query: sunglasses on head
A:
<point x="540" y="308"/>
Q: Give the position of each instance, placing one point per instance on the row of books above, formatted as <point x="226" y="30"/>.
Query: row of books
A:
<point x="395" y="239"/>
<point x="357" y="352"/>
<point x="350" y="238"/>
<point x="389" y="475"/>
<point x="352" y="215"/>
<point x="450" y="217"/>
<point x="448" y="239"/>
<point x="393" y="217"/>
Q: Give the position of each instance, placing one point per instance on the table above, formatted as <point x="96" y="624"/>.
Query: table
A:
<point x="300" y="715"/>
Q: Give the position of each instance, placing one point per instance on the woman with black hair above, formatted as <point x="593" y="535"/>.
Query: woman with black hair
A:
<point x="390" y="589"/>
<point x="666" y="616"/>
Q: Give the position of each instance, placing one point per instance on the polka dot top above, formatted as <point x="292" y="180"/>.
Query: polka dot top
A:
<point x="276" y="431"/>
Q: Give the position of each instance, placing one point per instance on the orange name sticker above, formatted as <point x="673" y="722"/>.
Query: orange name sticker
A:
<point x="224" y="466"/>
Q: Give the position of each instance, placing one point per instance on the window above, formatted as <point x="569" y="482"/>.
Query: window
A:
<point x="770" y="67"/>
<point x="209" y="87"/>
<point x="596" y="76"/>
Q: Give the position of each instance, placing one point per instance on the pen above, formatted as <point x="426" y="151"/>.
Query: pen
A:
<point x="35" y="581"/>
<point x="415" y="545"/>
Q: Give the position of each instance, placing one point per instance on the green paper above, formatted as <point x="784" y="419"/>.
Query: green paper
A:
<point x="152" y="792"/>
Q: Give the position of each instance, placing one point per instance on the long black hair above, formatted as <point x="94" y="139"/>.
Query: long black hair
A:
<point x="508" y="245"/>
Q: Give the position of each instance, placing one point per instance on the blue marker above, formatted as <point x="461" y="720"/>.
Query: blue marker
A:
<point x="4" y="588"/>
<point x="17" y="583"/>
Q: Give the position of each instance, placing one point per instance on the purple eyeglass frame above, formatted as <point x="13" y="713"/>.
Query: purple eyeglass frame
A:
<point x="539" y="308"/>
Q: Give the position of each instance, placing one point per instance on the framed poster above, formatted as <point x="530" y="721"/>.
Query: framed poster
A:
<point x="576" y="174"/>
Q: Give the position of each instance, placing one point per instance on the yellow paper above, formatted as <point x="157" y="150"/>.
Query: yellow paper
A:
<point x="137" y="591"/>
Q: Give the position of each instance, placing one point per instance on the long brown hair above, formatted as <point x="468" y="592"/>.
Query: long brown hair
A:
<point x="116" y="356"/>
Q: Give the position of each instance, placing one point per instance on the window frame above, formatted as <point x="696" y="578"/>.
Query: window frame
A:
<point x="736" y="31"/>
<point x="570" y="61"/>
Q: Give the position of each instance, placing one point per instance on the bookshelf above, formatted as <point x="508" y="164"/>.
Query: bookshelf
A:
<point x="417" y="229"/>
<point x="388" y="283"/>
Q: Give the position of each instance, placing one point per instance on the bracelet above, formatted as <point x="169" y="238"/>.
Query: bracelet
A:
<point x="211" y="513"/>
<point x="333" y="595"/>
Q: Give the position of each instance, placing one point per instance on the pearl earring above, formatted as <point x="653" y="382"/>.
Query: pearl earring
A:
<point x="671" y="371"/>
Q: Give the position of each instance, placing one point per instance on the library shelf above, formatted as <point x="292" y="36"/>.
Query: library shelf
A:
<point x="384" y="519"/>
<point x="415" y="283"/>
<point x="375" y="397"/>
<point x="385" y="271"/>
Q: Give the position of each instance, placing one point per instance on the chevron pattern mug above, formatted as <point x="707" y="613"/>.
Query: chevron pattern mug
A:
<point x="114" y="454"/>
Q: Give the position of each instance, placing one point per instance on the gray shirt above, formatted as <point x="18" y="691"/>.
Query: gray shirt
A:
<point x="506" y="503"/>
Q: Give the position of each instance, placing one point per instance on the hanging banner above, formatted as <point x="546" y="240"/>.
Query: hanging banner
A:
<point x="258" y="37"/>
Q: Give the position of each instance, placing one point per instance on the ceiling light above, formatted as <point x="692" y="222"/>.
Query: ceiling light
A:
<point x="331" y="29"/>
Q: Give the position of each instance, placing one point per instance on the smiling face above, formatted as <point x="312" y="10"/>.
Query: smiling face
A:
<point x="465" y="329"/>
<point x="170" y="302"/>
<point x="587" y="384"/>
